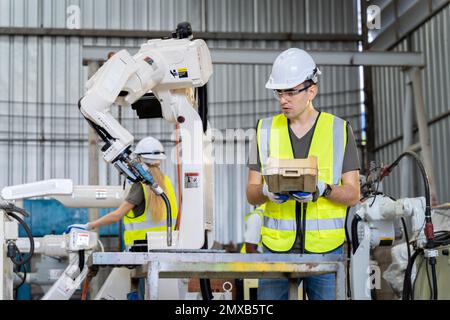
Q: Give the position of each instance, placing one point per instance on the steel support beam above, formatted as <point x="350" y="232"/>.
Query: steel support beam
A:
<point x="212" y="264"/>
<point x="411" y="19"/>
<point x="93" y="170"/>
<point x="434" y="120"/>
<point x="408" y="125"/>
<point x="114" y="33"/>
<point x="267" y="57"/>
<point x="415" y="74"/>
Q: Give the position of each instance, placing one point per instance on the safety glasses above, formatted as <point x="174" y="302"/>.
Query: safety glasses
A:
<point x="288" y="94"/>
<point x="153" y="153"/>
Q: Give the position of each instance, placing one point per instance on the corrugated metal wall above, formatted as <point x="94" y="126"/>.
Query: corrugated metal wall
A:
<point x="42" y="134"/>
<point x="432" y="39"/>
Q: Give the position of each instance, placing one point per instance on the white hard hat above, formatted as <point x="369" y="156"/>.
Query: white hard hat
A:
<point x="150" y="148"/>
<point x="292" y="67"/>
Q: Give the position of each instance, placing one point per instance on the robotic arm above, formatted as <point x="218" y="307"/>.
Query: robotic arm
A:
<point x="373" y="226"/>
<point x="170" y="69"/>
<point x="161" y="66"/>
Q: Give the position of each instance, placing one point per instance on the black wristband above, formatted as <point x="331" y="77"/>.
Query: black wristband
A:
<point x="327" y="191"/>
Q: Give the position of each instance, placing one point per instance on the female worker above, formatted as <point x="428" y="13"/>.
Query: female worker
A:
<point x="142" y="210"/>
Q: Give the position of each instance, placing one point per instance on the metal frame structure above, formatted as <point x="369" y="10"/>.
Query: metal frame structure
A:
<point x="130" y="34"/>
<point x="209" y="264"/>
<point x="412" y="62"/>
<point x="400" y="18"/>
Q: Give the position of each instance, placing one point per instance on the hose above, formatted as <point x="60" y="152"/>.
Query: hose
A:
<point x="429" y="232"/>
<point x="85" y="289"/>
<point x="148" y="179"/>
<point x="92" y="272"/>
<point x="180" y="192"/>
<point x="24" y="277"/>
<point x="354" y="227"/>
<point x="407" y="292"/>
<point x="406" y="238"/>
<point x="81" y="260"/>
<point x="169" y="218"/>
<point x="205" y="284"/>
<point x="205" y="287"/>
<point x="28" y="232"/>
<point x="434" y="277"/>
<point x="349" y="250"/>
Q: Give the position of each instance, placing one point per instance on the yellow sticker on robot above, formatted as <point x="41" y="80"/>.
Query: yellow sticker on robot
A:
<point x="182" y="72"/>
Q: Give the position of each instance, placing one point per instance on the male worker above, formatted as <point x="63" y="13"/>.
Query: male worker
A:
<point x="291" y="225"/>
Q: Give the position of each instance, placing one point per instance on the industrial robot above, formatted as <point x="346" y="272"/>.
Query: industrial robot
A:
<point x="75" y="244"/>
<point x="167" y="71"/>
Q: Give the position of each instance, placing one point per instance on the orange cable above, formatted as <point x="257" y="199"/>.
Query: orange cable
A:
<point x="180" y="195"/>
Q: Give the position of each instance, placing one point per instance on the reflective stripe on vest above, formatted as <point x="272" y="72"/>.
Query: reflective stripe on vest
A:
<point x="311" y="224"/>
<point x="136" y="228"/>
<point x="324" y="218"/>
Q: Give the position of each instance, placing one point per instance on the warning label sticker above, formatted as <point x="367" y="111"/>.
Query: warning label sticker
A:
<point x="191" y="180"/>
<point x="182" y="72"/>
<point x="82" y="239"/>
<point x="100" y="193"/>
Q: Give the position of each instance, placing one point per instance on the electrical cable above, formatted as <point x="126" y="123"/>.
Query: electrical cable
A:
<point x="205" y="288"/>
<point x="27" y="231"/>
<point x="419" y="267"/>
<point x="24" y="277"/>
<point x="434" y="277"/>
<point x="180" y="192"/>
<point x="102" y="248"/>
<point x="428" y="278"/>
<point x="376" y="193"/>
<point x="386" y="171"/>
<point x="169" y="216"/>
<point x="406" y="295"/>
<point x="349" y="250"/>
<point x="429" y="232"/>
<point x="354" y="230"/>
<point x="85" y="289"/>
<point x="406" y="238"/>
<point x="205" y="284"/>
<point x="81" y="260"/>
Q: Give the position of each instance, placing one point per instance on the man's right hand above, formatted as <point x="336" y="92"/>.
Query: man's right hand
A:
<point x="277" y="198"/>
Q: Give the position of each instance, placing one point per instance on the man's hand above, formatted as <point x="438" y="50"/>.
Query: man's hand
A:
<point x="82" y="226"/>
<point x="320" y="187"/>
<point x="277" y="198"/>
<point x="251" y="248"/>
<point x="301" y="196"/>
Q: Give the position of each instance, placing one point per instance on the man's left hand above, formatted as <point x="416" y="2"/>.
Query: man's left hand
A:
<point x="320" y="189"/>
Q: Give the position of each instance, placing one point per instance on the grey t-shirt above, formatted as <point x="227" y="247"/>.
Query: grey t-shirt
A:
<point x="136" y="197"/>
<point x="300" y="148"/>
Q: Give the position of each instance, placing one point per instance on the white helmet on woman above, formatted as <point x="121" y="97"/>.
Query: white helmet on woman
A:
<point x="150" y="149"/>
<point x="292" y="67"/>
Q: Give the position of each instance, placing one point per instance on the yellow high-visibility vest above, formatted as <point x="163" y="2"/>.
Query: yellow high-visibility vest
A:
<point x="322" y="223"/>
<point x="136" y="228"/>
